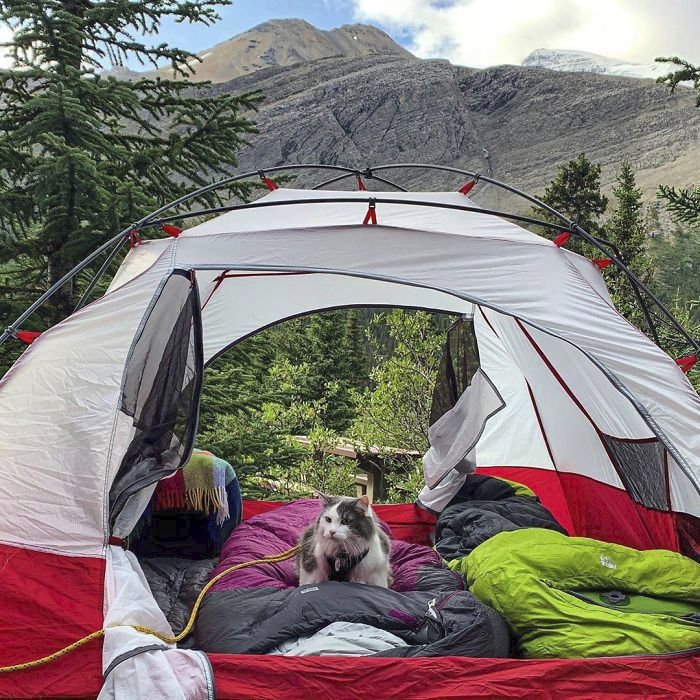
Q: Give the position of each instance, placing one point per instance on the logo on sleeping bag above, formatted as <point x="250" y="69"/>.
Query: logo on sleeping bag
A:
<point x="309" y="590"/>
<point x="607" y="562"/>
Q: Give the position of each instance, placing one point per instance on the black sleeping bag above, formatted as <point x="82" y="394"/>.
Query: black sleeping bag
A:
<point x="451" y="623"/>
<point x="482" y="508"/>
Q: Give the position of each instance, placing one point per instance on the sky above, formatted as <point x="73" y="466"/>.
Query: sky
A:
<point x="480" y="33"/>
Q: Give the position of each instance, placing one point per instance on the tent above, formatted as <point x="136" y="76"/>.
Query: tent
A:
<point x="597" y="419"/>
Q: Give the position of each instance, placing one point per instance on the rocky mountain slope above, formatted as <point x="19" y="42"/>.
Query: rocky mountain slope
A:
<point x="519" y="123"/>
<point x="583" y="62"/>
<point x="290" y="42"/>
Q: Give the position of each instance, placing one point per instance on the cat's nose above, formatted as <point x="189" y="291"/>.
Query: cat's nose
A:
<point x="331" y="533"/>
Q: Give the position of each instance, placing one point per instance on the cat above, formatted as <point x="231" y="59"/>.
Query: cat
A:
<point x="345" y="543"/>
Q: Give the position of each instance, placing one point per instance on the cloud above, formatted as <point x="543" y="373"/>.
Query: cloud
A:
<point x="489" y="32"/>
<point x="5" y="35"/>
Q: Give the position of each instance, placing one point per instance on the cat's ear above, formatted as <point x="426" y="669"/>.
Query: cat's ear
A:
<point x="328" y="500"/>
<point x="363" y="502"/>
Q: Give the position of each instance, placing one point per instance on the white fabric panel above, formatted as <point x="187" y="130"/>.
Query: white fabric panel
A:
<point x="57" y="414"/>
<point x="421" y="218"/>
<point x="436" y="499"/>
<point x="342" y="639"/>
<point x="138" y="260"/>
<point x="590" y="273"/>
<point x="132" y="511"/>
<point x="536" y="282"/>
<point x="683" y="496"/>
<point x="161" y="673"/>
<point x="512" y="437"/>
<point x="609" y="409"/>
<point x="242" y="305"/>
<point x="575" y="444"/>
<point x="454" y="435"/>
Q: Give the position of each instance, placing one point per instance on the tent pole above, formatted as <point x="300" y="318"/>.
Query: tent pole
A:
<point x="353" y="200"/>
<point x="98" y="275"/>
<point x="150" y="220"/>
<point x="12" y="328"/>
<point x="10" y="331"/>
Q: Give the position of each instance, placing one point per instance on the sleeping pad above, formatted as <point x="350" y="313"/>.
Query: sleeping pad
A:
<point x="254" y="610"/>
<point x="541" y="582"/>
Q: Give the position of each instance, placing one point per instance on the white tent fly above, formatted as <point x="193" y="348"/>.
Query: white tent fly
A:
<point x="104" y="404"/>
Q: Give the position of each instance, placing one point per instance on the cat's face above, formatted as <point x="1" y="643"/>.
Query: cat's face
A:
<point x="345" y="520"/>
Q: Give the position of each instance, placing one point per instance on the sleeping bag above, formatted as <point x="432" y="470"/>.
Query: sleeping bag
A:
<point x="483" y="507"/>
<point x="256" y="609"/>
<point x="543" y="584"/>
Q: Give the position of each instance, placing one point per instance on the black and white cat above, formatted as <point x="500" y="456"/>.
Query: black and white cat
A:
<point x="345" y="544"/>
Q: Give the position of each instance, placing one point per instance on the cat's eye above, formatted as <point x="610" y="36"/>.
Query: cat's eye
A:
<point x="328" y="520"/>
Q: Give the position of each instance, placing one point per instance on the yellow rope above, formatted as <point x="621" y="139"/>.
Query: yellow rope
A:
<point x="146" y="630"/>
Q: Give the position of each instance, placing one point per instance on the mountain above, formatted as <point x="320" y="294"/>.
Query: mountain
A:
<point x="518" y="123"/>
<point x="290" y="42"/>
<point x="582" y="62"/>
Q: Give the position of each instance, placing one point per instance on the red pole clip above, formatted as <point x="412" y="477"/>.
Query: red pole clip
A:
<point x="27" y="337"/>
<point x="360" y="184"/>
<point x="467" y="187"/>
<point x="601" y="263"/>
<point x="173" y="231"/>
<point x="270" y="184"/>
<point x="134" y="239"/>
<point x="562" y="238"/>
<point x="371" y="215"/>
<point x="686" y="363"/>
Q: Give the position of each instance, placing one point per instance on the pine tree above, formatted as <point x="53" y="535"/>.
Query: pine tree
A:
<point x="627" y="230"/>
<point x="684" y="204"/>
<point x="355" y="351"/>
<point x="575" y="192"/>
<point x="84" y="154"/>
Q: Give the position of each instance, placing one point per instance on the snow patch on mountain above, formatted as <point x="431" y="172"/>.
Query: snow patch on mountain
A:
<point x="583" y="62"/>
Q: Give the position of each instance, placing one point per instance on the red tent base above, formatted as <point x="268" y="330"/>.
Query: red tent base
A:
<point x="340" y="678"/>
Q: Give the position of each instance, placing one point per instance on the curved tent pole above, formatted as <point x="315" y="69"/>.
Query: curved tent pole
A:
<point x="575" y="228"/>
<point x="358" y="200"/>
<point x="10" y="331"/>
<point x="479" y="176"/>
<point x="150" y="220"/>
<point x="366" y="173"/>
<point x="98" y="275"/>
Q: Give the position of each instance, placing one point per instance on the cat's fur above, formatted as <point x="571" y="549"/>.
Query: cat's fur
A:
<point x="332" y="546"/>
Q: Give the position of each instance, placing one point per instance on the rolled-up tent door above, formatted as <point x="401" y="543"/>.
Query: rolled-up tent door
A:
<point x="454" y="435"/>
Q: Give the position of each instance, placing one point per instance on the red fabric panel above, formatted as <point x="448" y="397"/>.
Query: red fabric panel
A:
<point x="688" y="529"/>
<point x="341" y="678"/>
<point x="607" y="513"/>
<point x="407" y="522"/>
<point x="589" y="508"/>
<point x="544" y="483"/>
<point x="48" y="601"/>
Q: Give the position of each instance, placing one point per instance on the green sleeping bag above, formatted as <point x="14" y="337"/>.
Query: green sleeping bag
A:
<point x="549" y="589"/>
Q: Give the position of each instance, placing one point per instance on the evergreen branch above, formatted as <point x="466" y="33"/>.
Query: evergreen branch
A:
<point x="684" y="204"/>
<point x="687" y="73"/>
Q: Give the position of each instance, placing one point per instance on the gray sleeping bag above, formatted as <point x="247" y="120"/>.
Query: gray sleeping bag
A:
<point x="256" y="621"/>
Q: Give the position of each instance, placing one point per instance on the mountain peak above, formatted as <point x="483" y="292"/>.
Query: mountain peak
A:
<point x="287" y="42"/>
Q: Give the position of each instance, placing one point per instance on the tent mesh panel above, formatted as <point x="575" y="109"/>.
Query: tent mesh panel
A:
<point x="460" y="361"/>
<point x="161" y="390"/>
<point x="640" y="466"/>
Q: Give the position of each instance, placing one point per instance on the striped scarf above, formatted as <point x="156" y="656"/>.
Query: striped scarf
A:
<point x="200" y="485"/>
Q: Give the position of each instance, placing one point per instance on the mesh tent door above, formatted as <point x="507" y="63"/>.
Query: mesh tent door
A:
<point x="161" y="391"/>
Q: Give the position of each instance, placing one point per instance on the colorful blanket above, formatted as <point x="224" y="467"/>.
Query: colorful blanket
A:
<point x="200" y="486"/>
